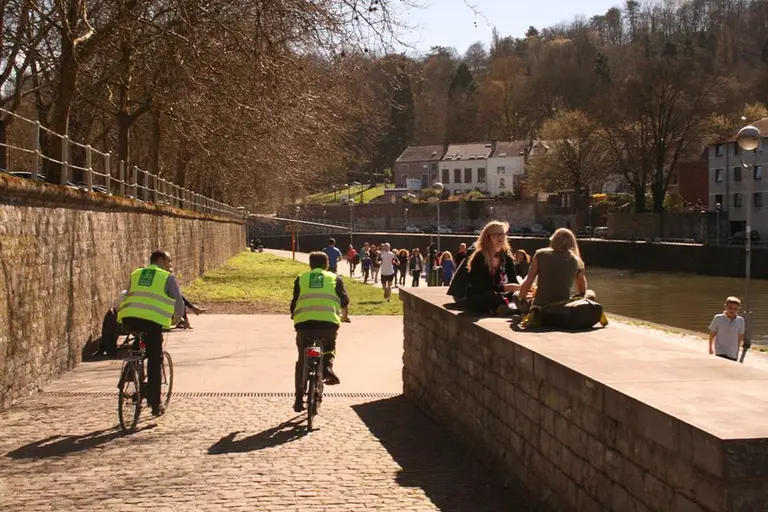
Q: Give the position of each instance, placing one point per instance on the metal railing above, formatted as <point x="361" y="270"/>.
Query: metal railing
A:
<point x="104" y="173"/>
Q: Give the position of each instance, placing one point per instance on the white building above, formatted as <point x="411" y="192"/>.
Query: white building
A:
<point x="464" y="167"/>
<point x="728" y="182"/>
<point x="506" y="167"/>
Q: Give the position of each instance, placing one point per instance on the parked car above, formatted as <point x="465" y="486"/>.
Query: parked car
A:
<point x="740" y="237"/>
<point x="81" y="185"/>
<point x="428" y="229"/>
<point x="444" y="230"/>
<point x="412" y="229"/>
<point x="600" y="231"/>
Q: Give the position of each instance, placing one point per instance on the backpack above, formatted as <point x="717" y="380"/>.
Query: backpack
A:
<point x="460" y="282"/>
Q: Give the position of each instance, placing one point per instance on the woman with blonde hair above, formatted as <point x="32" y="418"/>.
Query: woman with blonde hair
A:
<point x="557" y="268"/>
<point x="491" y="271"/>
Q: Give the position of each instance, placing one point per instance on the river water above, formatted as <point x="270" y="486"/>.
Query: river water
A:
<point x="687" y="301"/>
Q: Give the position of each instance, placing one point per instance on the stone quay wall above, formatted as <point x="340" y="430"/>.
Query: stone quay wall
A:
<point x="536" y="407"/>
<point x="65" y="255"/>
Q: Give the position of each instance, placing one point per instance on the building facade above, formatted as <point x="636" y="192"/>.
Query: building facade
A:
<point x="464" y="167"/>
<point x="417" y="163"/>
<point x="506" y="167"/>
<point x="737" y="188"/>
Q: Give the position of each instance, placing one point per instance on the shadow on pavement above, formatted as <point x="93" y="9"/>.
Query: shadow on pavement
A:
<point x="432" y="460"/>
<point x="286" y="432"/>
<point x="58" y="445"/>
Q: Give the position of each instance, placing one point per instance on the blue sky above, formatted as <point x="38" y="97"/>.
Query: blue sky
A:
<point x="452" y="23"/>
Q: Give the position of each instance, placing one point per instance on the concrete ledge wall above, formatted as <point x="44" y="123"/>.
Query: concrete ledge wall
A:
<point x="64" y="257"/>
<point x="602" y="420"/>
<point x="726" y="261"/>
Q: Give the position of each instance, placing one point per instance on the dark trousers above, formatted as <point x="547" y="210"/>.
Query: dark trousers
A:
<point x="153" y="339"/>
<point x="416" y="275"/>
<point x="728" y="357"/>
<point x="303" y="340"/>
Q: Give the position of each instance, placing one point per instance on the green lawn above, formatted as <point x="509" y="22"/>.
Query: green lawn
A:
<point x="354" y="192"/>
<point x="263" y="283"/>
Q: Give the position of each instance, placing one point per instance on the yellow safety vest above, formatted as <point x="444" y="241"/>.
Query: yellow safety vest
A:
<point x="317" y="298"/>
<point x="146" y="297"/>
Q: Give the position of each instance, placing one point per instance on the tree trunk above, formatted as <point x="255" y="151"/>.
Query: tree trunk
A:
<point x="3" y="142"/>
<point x="657" y="190"/>
<point x="639" y="198"/>
<point x="154" y="148"/>
<point x="124" y="122"/>
<point x="62" y="107"/>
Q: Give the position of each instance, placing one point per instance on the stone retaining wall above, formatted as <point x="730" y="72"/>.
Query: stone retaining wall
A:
<point x="64" y="257"/>
<point x="602" y="420"/>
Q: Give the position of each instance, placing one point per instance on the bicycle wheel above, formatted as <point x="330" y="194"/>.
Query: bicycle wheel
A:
<point x="311" y="402"/>
<point x="166" y="384"/>
<point x="129" y="398"/>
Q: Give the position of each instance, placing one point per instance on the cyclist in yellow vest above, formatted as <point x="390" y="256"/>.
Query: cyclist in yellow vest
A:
<point x="318" y="307"/>
<point x="153" y="301"/>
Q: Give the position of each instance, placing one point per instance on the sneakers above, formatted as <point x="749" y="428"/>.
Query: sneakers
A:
<point x="330" y="378"/>
<point x="298" y="404"/>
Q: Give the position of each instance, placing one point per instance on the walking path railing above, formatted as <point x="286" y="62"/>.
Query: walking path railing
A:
<point x="102" y="172"/>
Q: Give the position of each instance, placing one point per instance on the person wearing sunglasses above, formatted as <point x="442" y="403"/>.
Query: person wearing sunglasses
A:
<point x="492" y="272"/>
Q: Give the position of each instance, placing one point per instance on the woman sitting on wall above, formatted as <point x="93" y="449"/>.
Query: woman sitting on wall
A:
<point x="491" y="271"/>
<point x="557" y="268"/>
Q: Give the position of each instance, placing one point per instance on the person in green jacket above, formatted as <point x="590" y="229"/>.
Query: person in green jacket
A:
<point x="318" y="307"/>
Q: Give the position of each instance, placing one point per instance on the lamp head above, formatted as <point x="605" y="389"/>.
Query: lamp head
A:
<point x="748" y="138"/>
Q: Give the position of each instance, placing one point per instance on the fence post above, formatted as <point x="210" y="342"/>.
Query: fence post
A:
<point x="155" y="185"/>
<point x="89" y="168"/>
<point x="146" y="185"/>
<point x="64" y="160"/>
<point x="36" y="167"/>
<point x="108" y="173"/>
<point x="121" y="175"/>
<point x="135" y="182"/>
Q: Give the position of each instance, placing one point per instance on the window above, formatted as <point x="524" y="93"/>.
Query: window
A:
<point x="467" y="175"/>
<point x="735" y="148"/>
<point x="424" y="167"/>
<point x="404" y="168"/>
<point x="757" y="199"/>
<point x="719" y="150"/>
<point x="457" y="175"/>
<point x="446" y="176"/>
<point x="434" y="166"/>
<point x="501" y="170"/>
<point x="718" y="175"/>
<point x="404" y="180"/>
<point x="737" y="174"/>
<point x="502" y="183"/>
<point x="737" y="200"/>
<point x="719" y="200"/>
<point x="757" y="173"/>
<point x="481" y="175"/>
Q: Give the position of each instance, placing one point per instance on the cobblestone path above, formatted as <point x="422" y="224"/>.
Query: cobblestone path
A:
<point x="248" y="452"/>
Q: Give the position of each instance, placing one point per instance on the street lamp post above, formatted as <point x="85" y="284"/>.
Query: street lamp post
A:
<point x="325" y="226"/>
<point x="718" y="208"/>
<point x="490" y="213"/>
<point x="406" y="219"/>
<point x="439" y="186"/>
<point x="351" y="203"/>
<point x="748" y="139"/>
<point x="589" y="227"/>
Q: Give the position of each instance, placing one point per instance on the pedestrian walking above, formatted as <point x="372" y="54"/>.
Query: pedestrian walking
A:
<point x="416" y="264"/>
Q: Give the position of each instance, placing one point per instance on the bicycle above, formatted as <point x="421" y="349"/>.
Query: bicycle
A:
<point x="132" y="386"/>
<point x="313" y="374"/>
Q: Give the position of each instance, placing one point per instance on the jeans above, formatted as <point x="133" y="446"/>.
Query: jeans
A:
<point x="416" y="275"/>
<point x="304" y="340"/>
<point x="153" y="339"/>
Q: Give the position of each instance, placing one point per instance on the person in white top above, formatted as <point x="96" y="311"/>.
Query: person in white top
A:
<point x="388" y="261"/>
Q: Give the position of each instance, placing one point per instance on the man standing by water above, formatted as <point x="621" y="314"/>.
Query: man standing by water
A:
<point x="726" y="331"/>
<point x="334" y="255"/>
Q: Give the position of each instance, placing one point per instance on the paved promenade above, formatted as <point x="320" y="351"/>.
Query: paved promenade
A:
<point x="230" y="440"/>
